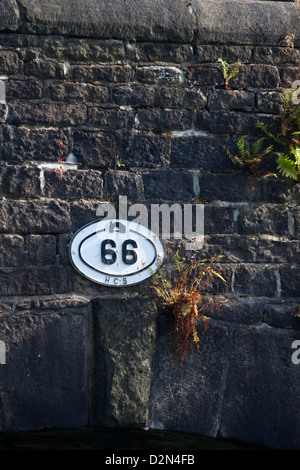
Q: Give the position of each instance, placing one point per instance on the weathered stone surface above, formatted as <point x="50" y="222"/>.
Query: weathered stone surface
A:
<point x="262" y="388"/>
<point x="166" y="185"/>
<point x="96" y="149"/>
<point x="174" y="53"/>
<point x="256" y="76"/>
<point x="83" y="50"/>
<point x="164" y="119"/>
<point x="24" y="89"/>
<point x="265" y="218"/>
<point x="125" y="334"/>
<point x="12" y="250"/>
<point x="21" y="144"/>
<point x="276" y="55"/>
<point x="255" y="280"/>
<point x="143" y="151"/>
<point x="188" y="396"/>
<point x="77" y="92"/>
<point x="51" y="114"/>
<point x="205" y="75"/>
<point x="290" y="280"/>
<point x="215" y="20"/>
<point x="9" y="15"/>
<point x="101" y="73"/>
<point x="34" y="216"/>
<point x="9" y="62"/>
<point x="121" y="183"/>
<point x="44" y="69"/>
<point x="114" y="118"/>
<point x="73" y="184"/>
<point x="201" y="152"/>
<point x="229" y="187"/>
<point x="148" y="21"/>
<point x="235" y="100"/>
<point x="34" y="281"/>
<point x="44" y="383"/>
<point x="235" y="122"/>
<point x="230" y="53"/>
<point x="18" y="181"/>
<point x="41" y="250"/>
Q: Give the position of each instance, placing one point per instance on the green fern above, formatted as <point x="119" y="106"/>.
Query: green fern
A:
<point x="228" y="72"/>
<point x="287" y="166"/>
<point x="288" y="159"/>
<point x="250" y="157"/>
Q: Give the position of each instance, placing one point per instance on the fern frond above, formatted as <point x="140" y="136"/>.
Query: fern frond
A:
<point x="287" y="166"/>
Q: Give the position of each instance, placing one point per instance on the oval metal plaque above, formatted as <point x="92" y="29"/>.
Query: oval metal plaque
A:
<point x="116" y="252"/>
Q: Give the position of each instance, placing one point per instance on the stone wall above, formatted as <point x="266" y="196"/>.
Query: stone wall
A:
<point x="104" y="99"/>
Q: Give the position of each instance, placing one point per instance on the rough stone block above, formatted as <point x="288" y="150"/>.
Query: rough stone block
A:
<point x="125" y="330"/>
<point x="121" y="183"/>
<point x="221" y="100"/>
<point x="19" y="181"/>
<point x="230" y="53"/>
<point x="101" y="73"/>
<point x="77" y="92"/>
<point x="21" y="144"/>
<point x="263" y="219"/>
<point x="262" y="388"/>
<point x="73" y="184"/>
<point x="84" y="50"/>
<point x="166" y="185"/>
<point x="114" y="118"/>
<point x="290" y="280"/>
<point x="11" y="250"/>
<point x="44" y="383"/>
<point x="228" y="187"/>
<point x="44" y="69"/>
<point x="205" y="75"/>
<point x="9" y="14"/>
<point x="181" y="97"/>
<point x="134" y="95"/>
<point x="175" y="53"/>
<point x="34" y="216"/>
<point x="276" y="55"/>
<point x="167" y="22"/>
<point x="24" y="89"/>
<point x="255" y="280"/>
<point x="143" y="151"/>
<point x="50" y="114"/>
<point x="41" y="250"/>
<point x="256" y="76"/>
<point x="269" y="101"/>
<point x="218" y="220"/>
<point x="159" y="74"/>
<point x="164" y="119"/>
<point x="288" y="75"/>
<point x="201" y="152"/>
<point x="235" y="122"/>
<point x="191" y="401"/>
<point x="34" y="281"/>
<point x="83" y="213"/>
<point x="96" y="149"/>
<point x="9" y="62"/>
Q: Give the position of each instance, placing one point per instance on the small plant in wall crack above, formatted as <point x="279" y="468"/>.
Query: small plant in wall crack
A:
<point x="184" y="300"/>
<point x="288" y="158"/>
<point x="250" y="157"/>
<point x="228" y="71"/>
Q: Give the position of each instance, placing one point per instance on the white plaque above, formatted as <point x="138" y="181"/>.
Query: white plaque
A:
<point x="116" y="252"/>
